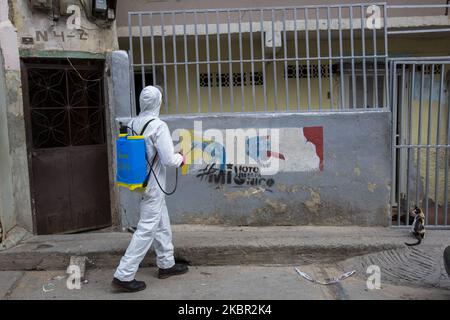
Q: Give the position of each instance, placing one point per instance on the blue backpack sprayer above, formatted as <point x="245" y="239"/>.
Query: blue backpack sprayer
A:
<point x="132" y="161"/>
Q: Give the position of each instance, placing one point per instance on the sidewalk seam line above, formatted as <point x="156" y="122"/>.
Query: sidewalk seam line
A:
<point x="10" y="291"/>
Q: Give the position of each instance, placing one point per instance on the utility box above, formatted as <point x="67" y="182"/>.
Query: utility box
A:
<point x="104" y="9"/>
<point x="99" y="6"/>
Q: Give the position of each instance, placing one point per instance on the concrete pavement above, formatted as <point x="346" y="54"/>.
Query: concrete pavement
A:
<point x="225" y="282"/>
<point x="237" y="263"/>
<point x="218" y="245"/>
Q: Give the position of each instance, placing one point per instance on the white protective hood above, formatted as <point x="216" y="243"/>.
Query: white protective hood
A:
<point x="150" y="101"/>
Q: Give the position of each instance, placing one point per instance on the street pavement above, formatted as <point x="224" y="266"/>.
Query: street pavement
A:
<point x="238" y="263"/>
<point x="215" y="282"/>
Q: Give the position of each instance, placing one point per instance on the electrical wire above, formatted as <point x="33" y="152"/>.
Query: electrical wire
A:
<point x="81" y="77"/>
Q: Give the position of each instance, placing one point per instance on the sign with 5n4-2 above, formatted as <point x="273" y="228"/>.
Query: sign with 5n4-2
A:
<point x="73" y="25"/>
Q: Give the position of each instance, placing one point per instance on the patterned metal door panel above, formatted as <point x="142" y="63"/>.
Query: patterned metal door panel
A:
<point x="65" y="123"/>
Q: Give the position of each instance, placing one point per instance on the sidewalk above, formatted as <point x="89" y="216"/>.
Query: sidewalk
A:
<point x="204" y="283"/>
<point x="218" y="245"/>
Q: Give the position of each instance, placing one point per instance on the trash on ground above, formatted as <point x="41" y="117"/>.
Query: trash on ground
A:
<point x="327" y="281"/>
<point x="58" y="278"/>
<point x="48" y="287"/>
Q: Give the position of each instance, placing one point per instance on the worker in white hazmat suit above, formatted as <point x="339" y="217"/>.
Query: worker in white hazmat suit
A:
<point x="154" y="224"/>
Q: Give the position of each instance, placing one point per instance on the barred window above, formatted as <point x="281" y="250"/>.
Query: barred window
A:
<point x="224" y="80"/>
<point x="429" y="68"/>
<point x="239" y="79"/>
<point x="257" y="79"/>
<point x="303" y="71"/>
<point x="206" y="80"/>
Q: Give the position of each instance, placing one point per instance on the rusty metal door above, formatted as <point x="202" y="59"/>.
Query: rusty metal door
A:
<point x="66" y="143"/>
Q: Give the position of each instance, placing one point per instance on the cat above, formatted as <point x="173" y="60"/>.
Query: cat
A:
<point x="418" y="226"/>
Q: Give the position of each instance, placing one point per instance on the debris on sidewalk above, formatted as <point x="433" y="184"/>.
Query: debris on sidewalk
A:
<point x="48" y="287"/>
<point x="327" y="281"/>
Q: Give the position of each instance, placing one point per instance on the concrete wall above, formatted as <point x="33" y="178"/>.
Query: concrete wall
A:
<point x="351" y="189"/>
<point x="7" y="220"/>
<point x="119" y="101"/>
<point x="50" y="39"/>
<point x="48" y="35"/>
<point x="15" y="207"/>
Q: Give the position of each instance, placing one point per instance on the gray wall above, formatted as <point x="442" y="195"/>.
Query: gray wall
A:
<point x="15" y="204"/>
<point x="128" y="202"/>
<point x="352" y="189"/>
<point x="7" y="219"/>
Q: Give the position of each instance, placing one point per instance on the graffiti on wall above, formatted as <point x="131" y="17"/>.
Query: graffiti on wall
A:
<point x="252" y="160"/>
<point x="236" y="175"/>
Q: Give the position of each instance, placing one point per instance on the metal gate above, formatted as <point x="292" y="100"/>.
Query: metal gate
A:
<point x="420" y="145"/>
<point x="280" y="59"/>
<point x="67" y="154"/>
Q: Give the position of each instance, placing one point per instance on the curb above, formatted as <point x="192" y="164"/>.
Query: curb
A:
<point x="206" y="246"/>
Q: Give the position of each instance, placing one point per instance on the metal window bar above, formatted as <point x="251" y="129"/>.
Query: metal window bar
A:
<point x="286" y="38"/>
<point x="219" y="64"/>
<point x="274" y="62"/>
<point x="319" y="62"/>
<point x="252" y="59"/>
<point x="263" y="57"/>
<point x="208" y="64"/>
<point x="197" y="65"/>
<point x="285" y="47"/>
<point x="175" y="67"/>
<point x="230" y="64"/>
<point x="163" y="38"/>
<point x="363" y="48"/>
<point x="297" y="82"/>
<point x="186" y="66"/>
<point x="330" y="54"/>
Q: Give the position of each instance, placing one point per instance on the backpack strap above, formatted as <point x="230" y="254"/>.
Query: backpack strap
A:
<point x="147" y="178"/>
<point x="145" y="126"/>
<point x="132" y="130"/>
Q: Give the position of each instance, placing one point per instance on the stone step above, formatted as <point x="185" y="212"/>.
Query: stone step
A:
<point x="216" y="245"/>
